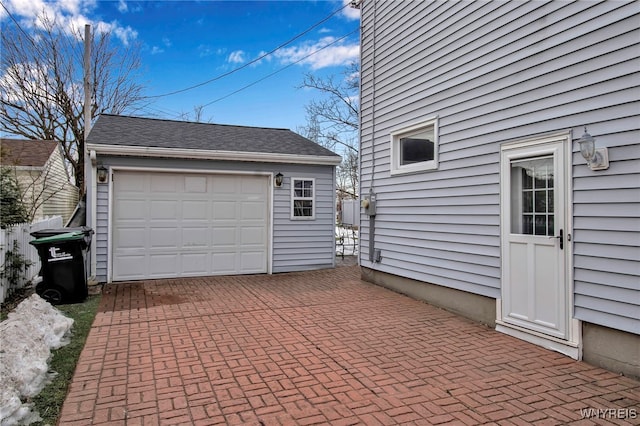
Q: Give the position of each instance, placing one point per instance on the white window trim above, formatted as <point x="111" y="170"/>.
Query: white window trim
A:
<point x="313" y="199"/>
<point x="396" y="168"/>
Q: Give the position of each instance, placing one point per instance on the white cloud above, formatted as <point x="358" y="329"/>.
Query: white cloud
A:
<point x="71" y="15"/>
<point x="122" y="6"/>
<point x="155" y="50"/>
<point x="317" y="55"/>
<point x="236" y="57"/>
<point x="266" y="58"/>
<point x="166" y="41"/>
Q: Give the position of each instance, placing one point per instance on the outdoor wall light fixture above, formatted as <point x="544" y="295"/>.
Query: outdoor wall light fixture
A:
<point x="597" y="158"/>
<point x="278" y="179"/>
<point x="103" y="174"/>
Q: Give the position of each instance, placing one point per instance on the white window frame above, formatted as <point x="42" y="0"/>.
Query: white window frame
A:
<point x="397" y="134"/>
<point x="312" y="198"/>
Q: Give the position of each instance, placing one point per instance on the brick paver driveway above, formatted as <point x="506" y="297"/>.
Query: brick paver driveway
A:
<point x="319" y="347"/>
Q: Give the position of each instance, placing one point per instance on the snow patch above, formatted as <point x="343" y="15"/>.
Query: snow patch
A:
<point x="346" y="241"/>
<point x="27" y="337"/>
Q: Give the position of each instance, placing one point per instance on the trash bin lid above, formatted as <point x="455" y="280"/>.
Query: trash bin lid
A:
<point x="69" y="236"/>
<point x="56" y="231"/>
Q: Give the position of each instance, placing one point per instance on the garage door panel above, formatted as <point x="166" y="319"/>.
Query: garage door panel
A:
<point x="252" y="235"/>
<point x="166" y="238"/>
<point x="251" y="185"/>
<point x="164" y="183"/>
<point x="194" y="264"/>
<point x="195" y="184"/>
<point x="224" y="184"/>
<point x="195" y="237"/>
<point x="251" y="261"/>
<point x="224" y="210"/>
<point x="171" y="225"/>
<point x="224" y="263"/>
<point x="163" y="209"/>
<point x="131" y="209"/>
<point x="138" y="185"/>
<point x="130" y="238"/>
<point x="128" y="267"/>
<point x="223" y="236"/>
<point x="163" y="264"/>
<point x="252" y="211"/>
<point x="195" y="210"/>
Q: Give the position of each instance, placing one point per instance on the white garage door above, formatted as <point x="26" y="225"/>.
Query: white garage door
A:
<point x="177" y="225"/>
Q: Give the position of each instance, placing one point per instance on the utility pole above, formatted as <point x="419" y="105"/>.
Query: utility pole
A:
<point x="87" y="81"/>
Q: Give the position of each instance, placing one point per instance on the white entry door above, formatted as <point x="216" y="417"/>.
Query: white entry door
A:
<point x="535" y="241"/>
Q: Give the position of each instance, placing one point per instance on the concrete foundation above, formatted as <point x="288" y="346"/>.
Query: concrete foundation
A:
<point x="472" y="306"/>
<point x="614" y="350"/>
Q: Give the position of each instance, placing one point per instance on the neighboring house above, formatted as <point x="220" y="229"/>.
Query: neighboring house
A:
<point x="476" y="195"/>
<point x="179" y="199"/>
<point x="42" y="176"/>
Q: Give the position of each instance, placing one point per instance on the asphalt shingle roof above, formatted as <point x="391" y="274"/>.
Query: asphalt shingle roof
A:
<point x="26" y="152"/>
<point x="149" y="132"/>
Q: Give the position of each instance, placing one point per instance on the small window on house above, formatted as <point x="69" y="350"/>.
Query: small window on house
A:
<point x="415" y="148"/>
<point x="303" y="198"/>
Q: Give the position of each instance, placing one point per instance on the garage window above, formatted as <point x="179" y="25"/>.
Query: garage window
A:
<point x="415" y="149"/>
<point x="303" y="204"/>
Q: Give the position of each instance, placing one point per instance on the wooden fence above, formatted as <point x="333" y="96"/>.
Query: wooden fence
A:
<point x="22" y="234"/>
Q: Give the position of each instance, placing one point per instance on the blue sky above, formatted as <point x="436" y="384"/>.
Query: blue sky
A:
<point x="185" y="43"/>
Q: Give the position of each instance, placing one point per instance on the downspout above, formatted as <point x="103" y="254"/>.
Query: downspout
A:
<point x="91" y="207"/>
<point x="372" y="217"/>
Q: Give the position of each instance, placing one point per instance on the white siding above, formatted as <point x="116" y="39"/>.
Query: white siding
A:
<point x="63" y="195"/>
<point x="494" y="72"/>
<point x="47" y="190"/>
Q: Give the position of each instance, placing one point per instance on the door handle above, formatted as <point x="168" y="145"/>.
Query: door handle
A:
<point x="561" y="238"/>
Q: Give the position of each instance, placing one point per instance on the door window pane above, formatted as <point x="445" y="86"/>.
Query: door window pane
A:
<point x="532" y="206"/>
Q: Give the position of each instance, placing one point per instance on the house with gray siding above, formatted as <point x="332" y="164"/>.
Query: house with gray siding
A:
<point x="181" y="199"/>
<point x="476" y="194"/>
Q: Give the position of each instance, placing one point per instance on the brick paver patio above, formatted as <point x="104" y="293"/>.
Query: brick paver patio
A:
<point x="320" y="347"/>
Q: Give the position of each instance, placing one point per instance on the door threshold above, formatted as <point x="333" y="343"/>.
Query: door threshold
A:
<point x="565" y="347"/>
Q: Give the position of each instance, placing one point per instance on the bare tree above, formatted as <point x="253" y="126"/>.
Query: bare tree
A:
<point x="333" y="121"/>
<point x="41" y="85"/>
<point x="197" y="115"/>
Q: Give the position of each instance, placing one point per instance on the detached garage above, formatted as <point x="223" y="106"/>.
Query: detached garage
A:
<point x="177" y="199"/>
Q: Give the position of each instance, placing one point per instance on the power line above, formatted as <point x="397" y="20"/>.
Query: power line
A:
<point x="259" y="58"/>
<point x="281" y="69"/>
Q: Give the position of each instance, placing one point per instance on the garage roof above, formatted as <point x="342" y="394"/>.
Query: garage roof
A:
<point x="118" y="130"/>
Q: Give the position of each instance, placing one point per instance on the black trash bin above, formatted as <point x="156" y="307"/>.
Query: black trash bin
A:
<point x="86" y="230"/>
<point x="64" y="272"/>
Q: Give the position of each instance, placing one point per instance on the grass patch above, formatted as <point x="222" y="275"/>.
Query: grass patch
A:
<point x="48" y="403"/>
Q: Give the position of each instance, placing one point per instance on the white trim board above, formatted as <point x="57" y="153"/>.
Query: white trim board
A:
<point x="259" y="157"/>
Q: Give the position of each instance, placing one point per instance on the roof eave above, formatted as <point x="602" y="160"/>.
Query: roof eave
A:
<point x="201" y="154"/>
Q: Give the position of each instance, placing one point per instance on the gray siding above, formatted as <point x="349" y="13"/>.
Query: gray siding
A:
<point x="302" y="244"/>
<point x="102" y="231"/>
<point x="297" y="244"/>
<point x="494" y="72"/>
